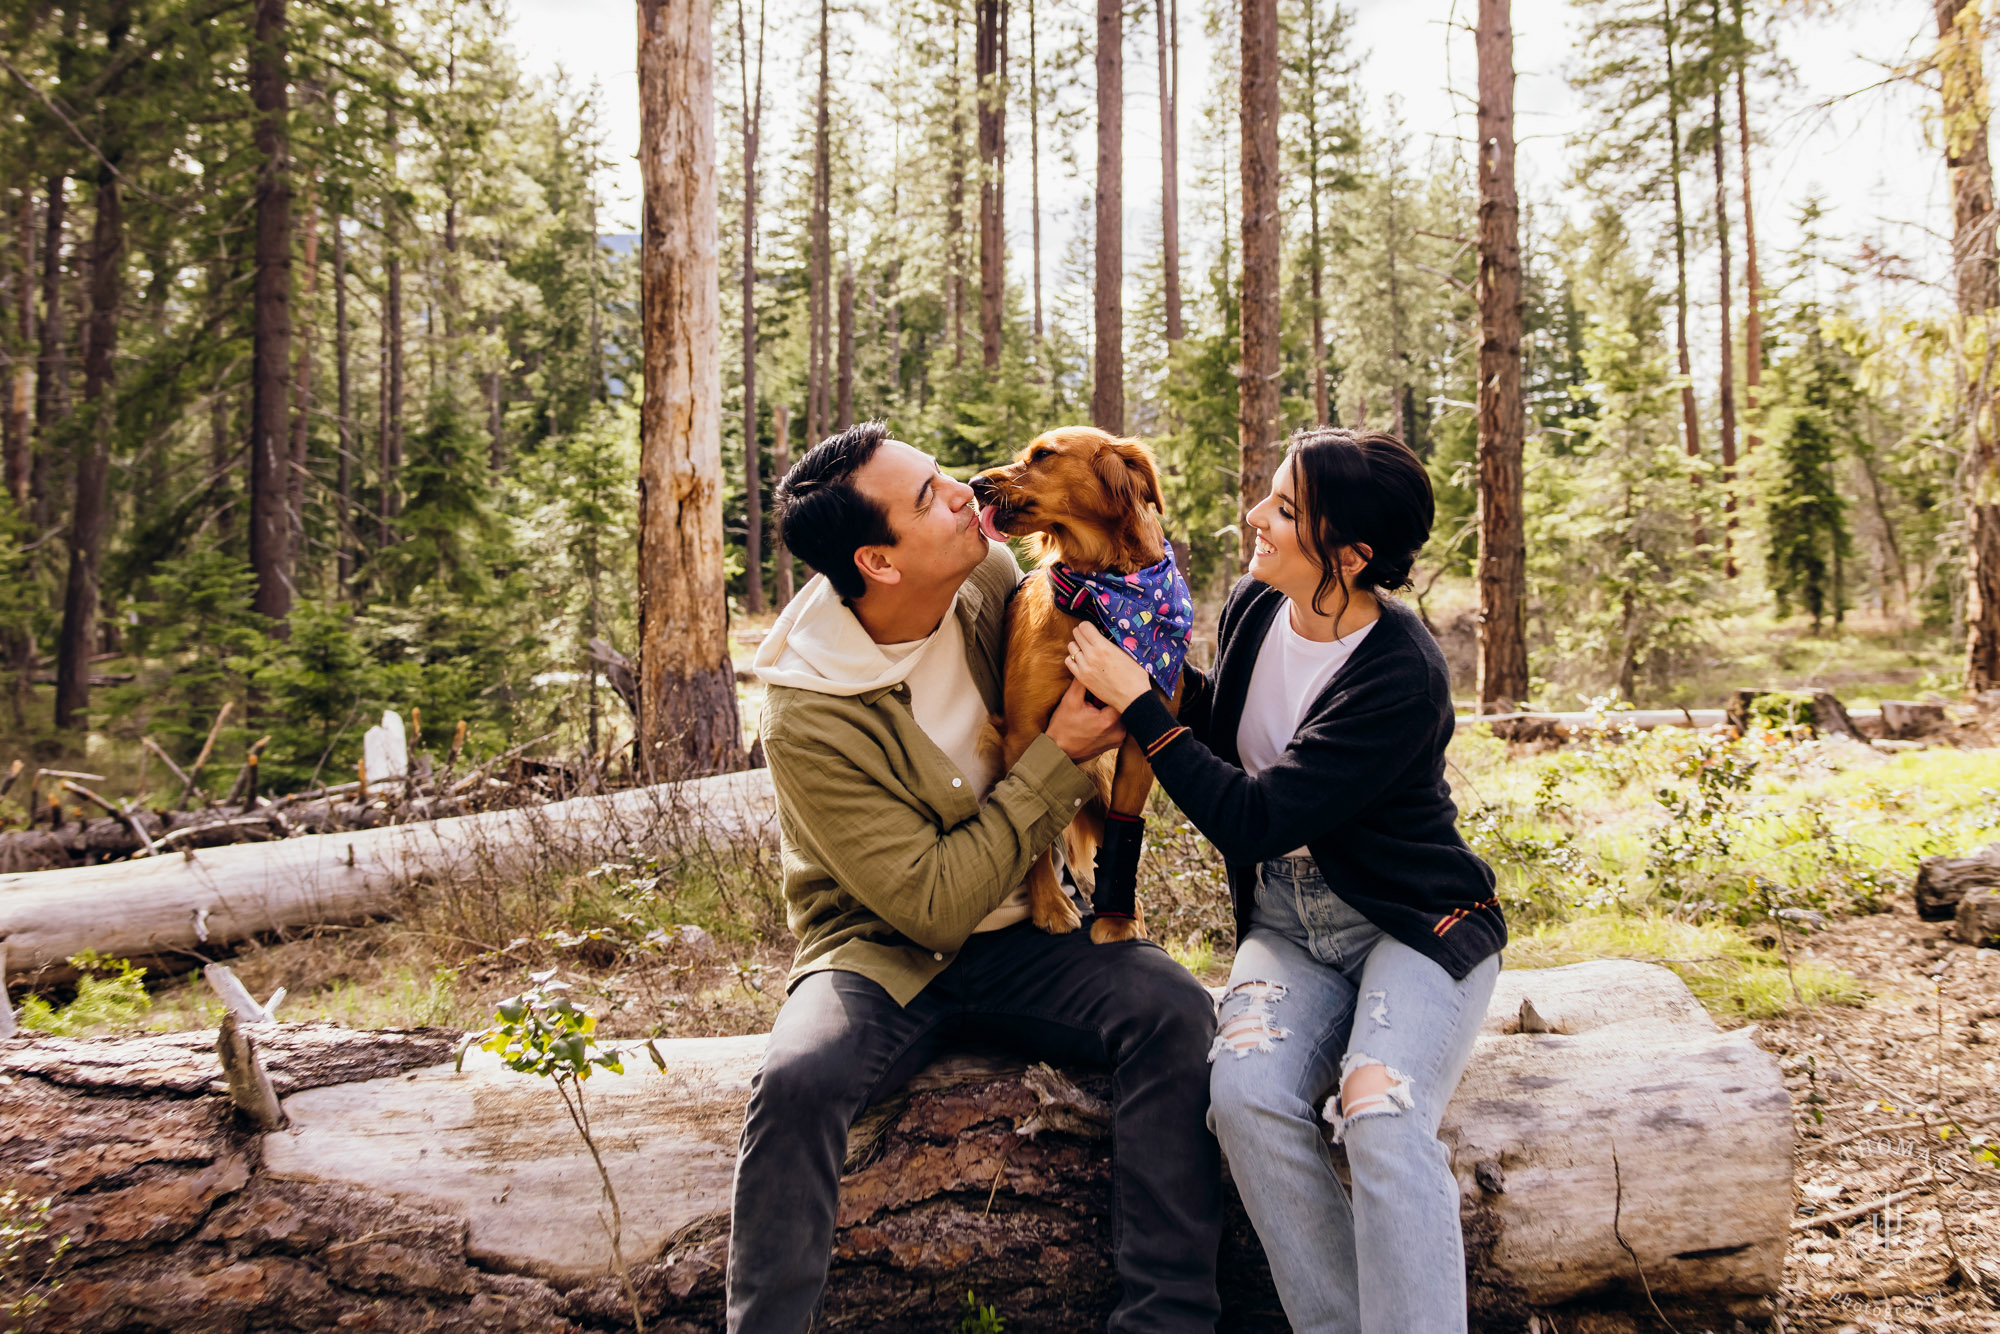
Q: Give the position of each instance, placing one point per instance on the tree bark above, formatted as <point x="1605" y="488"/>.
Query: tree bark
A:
<point x="1726" y="379"/>
<point x="1107" y="381"/>
<point x="1169" y="43"/>
<point x="343" y="519"/>
<point x="1503" y="650"/>
<point x="1690" y="420"/>
<point x="753" y="494"/>
<point x="819" y="353"/>
<point x="991" y="130"/>
<point x="1259" y="428"/>
<point x="1315" y="253"/>
<point x="52" y="361"/>
<point x="844" y="371"/>
<point x="954" y="188"/>
<point x="1977" y="270"/>
<point x="18" y="462"/>
<point x="270" y="355"/>
<point x="1753" y="328"/>
<point x="89" y="518"/>
<point x="406" y="1195"/>
<point x="295" y="474"/>
<point x="781" y="463"/>
<point x="1035" y="169"/>
<point x="389" y="503"/>
<point x="687" y="686"/>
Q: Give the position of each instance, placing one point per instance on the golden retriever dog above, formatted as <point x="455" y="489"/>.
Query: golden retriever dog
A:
<point x="1088" y="501"/>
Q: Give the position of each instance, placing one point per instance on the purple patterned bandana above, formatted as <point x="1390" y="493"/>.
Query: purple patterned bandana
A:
<point x="1149" y="614"/>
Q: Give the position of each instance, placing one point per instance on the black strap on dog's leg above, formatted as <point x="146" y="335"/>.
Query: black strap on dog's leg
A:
<point x="1117" y="890"/>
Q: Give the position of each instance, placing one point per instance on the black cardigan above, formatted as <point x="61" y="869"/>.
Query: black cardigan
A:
<point x="1362" y="784"/>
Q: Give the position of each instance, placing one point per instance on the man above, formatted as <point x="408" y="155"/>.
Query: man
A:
<point x="904" y="855"/>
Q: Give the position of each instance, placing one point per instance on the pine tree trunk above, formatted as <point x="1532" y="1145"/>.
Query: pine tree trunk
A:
<point x="343" y="519"/>
<point x="1035" y="170"/>
<point x="1726" y="381"/>
<point x="687" y="687"/>
<point x="1753" y="328"/>
<point x="1107" y="387"/>
<point x="819" y="351"/>
<point x="1690" y="421"/>
<point x="52" y="360"/>
<point x="1259" y="431"/>
<point x="781" y="463"/>
<point x="992" y="111"/>
<point x="271" y="346"/>
<point x="753" y="492"/>
<point x="1977" y="269"/>
<point x="391" y="464"/>
<point x="844" y="417"/>
<point x="18" y="454"/>
<point x="295" y="487"/>
<point x="1169" y="39"/>
<point x="1503" y="652"/>
<point x="88" y="520"/>
<point x="1315" y="254"/>
<point x="954" y="220"/>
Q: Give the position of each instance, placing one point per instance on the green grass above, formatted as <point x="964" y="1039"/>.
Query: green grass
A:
<point x="1729" y="973"/>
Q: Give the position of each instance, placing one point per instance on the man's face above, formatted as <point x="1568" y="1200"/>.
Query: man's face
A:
<point x="938" y="541"/>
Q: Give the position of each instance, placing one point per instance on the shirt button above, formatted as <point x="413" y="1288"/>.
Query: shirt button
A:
<point x="935" y="955"/>
<point x="1077" y="802"/>
<point x="958" y="782"/>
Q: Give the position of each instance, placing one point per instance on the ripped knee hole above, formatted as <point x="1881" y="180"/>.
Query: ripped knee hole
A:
<point x="1368" y="1087"/>
<point x="1249" y="1020"/>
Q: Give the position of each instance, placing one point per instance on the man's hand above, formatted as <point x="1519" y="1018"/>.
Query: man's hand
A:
<point x="1084" y="730"/>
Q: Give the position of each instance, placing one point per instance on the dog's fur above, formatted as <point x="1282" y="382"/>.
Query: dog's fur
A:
<point x="1090" y="501"/>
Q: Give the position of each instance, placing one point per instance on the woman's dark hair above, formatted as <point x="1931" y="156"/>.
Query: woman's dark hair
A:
<point x="823" y="518"/>
<point x="1360" y="488"/>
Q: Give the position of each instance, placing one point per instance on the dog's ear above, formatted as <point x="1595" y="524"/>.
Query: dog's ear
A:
<point x="1127" y="470"/>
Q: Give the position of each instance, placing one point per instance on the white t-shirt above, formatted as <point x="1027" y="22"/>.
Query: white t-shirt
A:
<point x="1291" y="672"/>
<point x="946" y="704"/>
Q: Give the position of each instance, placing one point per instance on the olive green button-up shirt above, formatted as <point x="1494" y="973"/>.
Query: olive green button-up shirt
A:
<point x="890" y="860"/>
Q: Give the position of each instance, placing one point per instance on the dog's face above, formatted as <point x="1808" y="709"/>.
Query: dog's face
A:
<point x="1089" y="496"/>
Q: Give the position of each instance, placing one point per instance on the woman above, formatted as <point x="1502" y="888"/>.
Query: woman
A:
<point x="1368" y="936"/>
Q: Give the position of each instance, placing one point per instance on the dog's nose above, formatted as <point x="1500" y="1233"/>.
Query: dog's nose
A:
<point x="984" y="489"/>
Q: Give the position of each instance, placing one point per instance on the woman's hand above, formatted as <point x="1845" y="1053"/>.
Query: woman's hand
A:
<point x="1107" y="671"/>
<point x="1081" y="728"/>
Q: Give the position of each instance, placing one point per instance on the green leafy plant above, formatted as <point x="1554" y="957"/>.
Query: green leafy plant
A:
<point x="975" y="1317"/>
<point x="28" y="1260"/>
<point x="111" y="993"/>
<point x="542" y="1032"/>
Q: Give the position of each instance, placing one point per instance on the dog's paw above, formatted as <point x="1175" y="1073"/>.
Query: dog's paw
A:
<point x="1109" y="930"/>
<point x="1058" y="917"/>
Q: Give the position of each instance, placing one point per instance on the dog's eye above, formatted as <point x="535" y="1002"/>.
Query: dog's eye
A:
<point x="1041" y="454"/>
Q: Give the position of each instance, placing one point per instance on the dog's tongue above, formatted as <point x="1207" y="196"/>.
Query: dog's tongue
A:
<point x="988" y="527"/>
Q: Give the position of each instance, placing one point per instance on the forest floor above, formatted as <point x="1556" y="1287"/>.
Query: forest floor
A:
<point x="1894" y="1100"/>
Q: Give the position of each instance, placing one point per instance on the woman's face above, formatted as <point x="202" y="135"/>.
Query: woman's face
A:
<point x="1279" y="560"/>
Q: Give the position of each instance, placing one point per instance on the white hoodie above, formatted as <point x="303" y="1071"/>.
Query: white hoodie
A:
<point x="818" y="644"/>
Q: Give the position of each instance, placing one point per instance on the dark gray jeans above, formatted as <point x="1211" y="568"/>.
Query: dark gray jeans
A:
<point x="841" y="1043"/>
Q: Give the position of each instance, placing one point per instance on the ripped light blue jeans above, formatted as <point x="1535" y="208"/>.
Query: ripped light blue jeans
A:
<point x="1317" y="992"/>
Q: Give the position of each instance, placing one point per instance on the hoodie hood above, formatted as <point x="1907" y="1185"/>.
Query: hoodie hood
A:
<point x="819" y="645"/>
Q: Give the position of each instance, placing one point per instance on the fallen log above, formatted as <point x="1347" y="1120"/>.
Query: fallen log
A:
<point x="1943" y="882"/>
<point x="1563" y="726"/>
<point x="1630" y="1149"/>
<point x="187" y="905"/>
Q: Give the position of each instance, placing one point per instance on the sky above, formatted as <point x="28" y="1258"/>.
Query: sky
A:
<point x="1838" y="133"/>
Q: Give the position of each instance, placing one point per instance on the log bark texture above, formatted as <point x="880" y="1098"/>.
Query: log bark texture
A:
<point x="687" y="723"/>
<point x="1943" y="882"/>
<point x="174" y="905"/>
<point x="1631" y="1139"/>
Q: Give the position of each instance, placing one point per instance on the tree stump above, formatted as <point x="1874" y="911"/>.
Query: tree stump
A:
<point x="405" y="1196"/>
<point x="1907" y="720"/>
<point x="1979" y="917"/>
<point x="1819" y="711"/>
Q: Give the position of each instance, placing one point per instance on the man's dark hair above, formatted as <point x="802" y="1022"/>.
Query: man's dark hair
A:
<point x="821" y="515"/>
